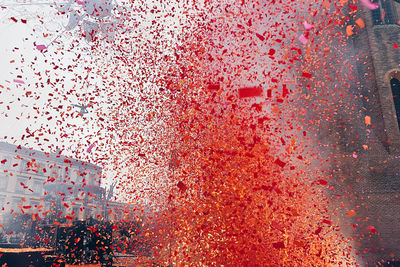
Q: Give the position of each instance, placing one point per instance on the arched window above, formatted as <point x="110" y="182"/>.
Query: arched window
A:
<point x="384" y="14"/>
<point x="395" y="85"/>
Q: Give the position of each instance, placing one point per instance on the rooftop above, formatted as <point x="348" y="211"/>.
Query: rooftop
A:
<point x="54" y="157"/>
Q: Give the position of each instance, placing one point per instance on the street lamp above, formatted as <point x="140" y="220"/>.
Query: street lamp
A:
<point x="107" y="199"/>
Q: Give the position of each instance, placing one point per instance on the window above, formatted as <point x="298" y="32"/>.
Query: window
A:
<point x="384" y="14"/>
<point x="40" y="166"/>
<point x="24" y="165"/>
<point x="37" y="187"/>
<point x="22" y="185"/>
<point x="395" y="85"/>
<point x="2" y="202"/>
<point x="60" y="172"/>
<point x="30" y="166"/>
<point x="89" y="178"/>
<point x="82" y="176"/>
<point x="15" y="203"/>
<point x="93" y="178"/>
<point x="71" y="174"/>
<point x="5" y="162"/>
<point x="3" y="182"/>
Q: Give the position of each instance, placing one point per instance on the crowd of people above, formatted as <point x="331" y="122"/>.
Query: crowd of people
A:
<point x="78" y="242"/>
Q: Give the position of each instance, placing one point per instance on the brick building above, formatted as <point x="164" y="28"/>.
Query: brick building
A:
<point x="368" y="155"/>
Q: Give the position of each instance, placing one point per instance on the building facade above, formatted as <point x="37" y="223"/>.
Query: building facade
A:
<point x="366" y="132"/>
<point x="48" y="186"/>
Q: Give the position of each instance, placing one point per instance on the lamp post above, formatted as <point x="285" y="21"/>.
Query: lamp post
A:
<point x="107" y="200"/>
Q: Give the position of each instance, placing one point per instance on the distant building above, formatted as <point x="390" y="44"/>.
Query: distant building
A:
<point x="48" y="185"/>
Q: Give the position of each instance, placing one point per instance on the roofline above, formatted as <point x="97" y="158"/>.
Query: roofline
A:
<point x="55" y="157"/>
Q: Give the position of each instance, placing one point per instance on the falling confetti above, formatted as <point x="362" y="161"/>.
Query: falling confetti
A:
<point x="209" y="118"/>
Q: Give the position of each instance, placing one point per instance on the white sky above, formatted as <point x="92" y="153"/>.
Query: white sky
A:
<point x="23" y="36"/>
<point x="16" y="62"/>
<point x="19" y="116"/>
<point x="14" y="121"/>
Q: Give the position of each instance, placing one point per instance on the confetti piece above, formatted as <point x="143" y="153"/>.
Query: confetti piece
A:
<point x="259" y="36"/>
<point x="303" y="39"/>
<point x="326" y="4"/>
<point x="328" y="222"/>
<point x="371" y="229"/>
<point x="349" y="30"/>
<point x="213" y="87"/>
<point x="322" y="182"/>
<point x="308" y="26"/>
<point x="182" y="187"/>
<point x="352" y="7"/>
<point x="19" y="81"/>
<point x="278" y="245"/>
<point x="369" y="4"/>
<point x="367" y="120"/>
<point x="250" y="91"/>
<point x="351" y="213"/>
<point x="41" y="47"/>
<point x="280" y="163"/>
<point x="89" y="149"/>
<point x="360" y="23"/>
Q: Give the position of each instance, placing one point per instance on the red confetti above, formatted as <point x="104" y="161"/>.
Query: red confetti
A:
<point x="250" y="91"/>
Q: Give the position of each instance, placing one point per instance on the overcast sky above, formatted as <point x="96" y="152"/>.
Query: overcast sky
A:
<point x="15" y="64"/>
<point x="37" y="25"/>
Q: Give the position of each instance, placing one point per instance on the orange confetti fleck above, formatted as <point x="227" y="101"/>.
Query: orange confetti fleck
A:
<point x="351" y="213"/>
<point x="360" y="23"/>
<point x="367" y="120"/>
<point x="349" y="30"/>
